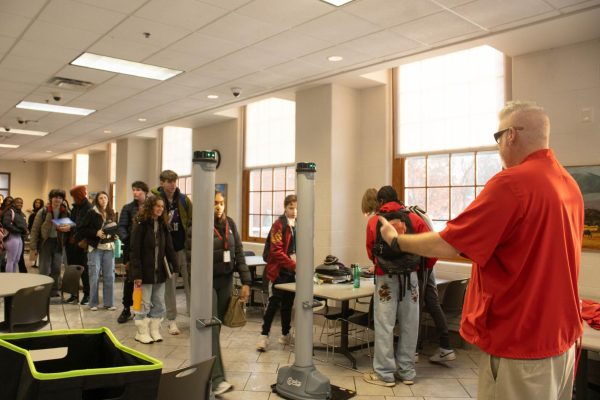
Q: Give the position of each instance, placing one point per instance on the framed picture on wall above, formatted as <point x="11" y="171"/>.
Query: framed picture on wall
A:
<point x="588" y="179"/>
<point x="222" y="187"/>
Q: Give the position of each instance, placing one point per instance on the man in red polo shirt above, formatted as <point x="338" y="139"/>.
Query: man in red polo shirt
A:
<point x="523" y="234"/>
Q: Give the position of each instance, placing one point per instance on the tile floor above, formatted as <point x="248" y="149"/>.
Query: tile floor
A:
<point x="252" y="373"/>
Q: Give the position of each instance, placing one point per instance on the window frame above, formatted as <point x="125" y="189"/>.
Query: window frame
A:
<point x="246" y="200"/>
<point x="6" y="189"/>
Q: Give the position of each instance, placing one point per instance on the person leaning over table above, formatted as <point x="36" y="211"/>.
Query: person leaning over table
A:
<point x="523" y="233"/>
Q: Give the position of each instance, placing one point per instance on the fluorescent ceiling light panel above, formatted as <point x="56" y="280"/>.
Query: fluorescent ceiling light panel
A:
<point x="29" y="105"/>
<point x="9" y="146"/>
<point x="337" y="3"/>
<point x="121" y="66"/>
<point x="23" y="132"/>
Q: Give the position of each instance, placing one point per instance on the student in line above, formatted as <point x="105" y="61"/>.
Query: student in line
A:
<point x="13" y="220"/>
<point x="281" y="268"/>
<point x="151" y="247"/>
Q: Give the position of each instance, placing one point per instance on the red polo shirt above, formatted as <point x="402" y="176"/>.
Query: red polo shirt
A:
<point x="523" y="234"/>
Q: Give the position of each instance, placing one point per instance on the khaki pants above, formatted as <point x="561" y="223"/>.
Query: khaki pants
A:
<point x="515" y="379"/>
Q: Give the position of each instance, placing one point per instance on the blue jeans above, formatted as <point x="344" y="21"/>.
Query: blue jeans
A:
<point x="102" y="260"/>
<point x="153" y="301"/>
<point x="389" y="307"/>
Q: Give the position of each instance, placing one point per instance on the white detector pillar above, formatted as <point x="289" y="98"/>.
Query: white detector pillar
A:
<point x="302" y="381"/>
<point x="203" y="178"/>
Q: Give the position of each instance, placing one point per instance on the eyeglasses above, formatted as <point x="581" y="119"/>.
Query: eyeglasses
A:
<point x="499" y="134"/>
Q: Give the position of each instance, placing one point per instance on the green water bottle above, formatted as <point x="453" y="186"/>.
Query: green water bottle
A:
<point x="117" y="248"/>
<point x="356" y="275"/>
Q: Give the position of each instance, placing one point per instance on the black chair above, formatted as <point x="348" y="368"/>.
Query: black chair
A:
<point x="189" y="383"/>
<point x="258" y="285"/>
<point x="29" y="307"/>
<point x="70" y="285"/>
<point x="452" y="302"/>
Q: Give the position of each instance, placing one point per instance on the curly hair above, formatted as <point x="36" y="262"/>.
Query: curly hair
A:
<point x="146" y="211"/>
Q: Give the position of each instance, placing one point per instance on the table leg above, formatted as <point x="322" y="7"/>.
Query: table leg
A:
<point x="7" y="306"/>
<point x="344" y="333"/>
<point x="581" y="383"/>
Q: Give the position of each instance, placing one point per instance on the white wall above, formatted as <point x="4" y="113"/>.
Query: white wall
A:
<point x="227" y="138"/>
<point x="98" y="172"/>
<point x="564" y="80"/>
<point x="136" y="160"/>
<point x="26" y="180"/>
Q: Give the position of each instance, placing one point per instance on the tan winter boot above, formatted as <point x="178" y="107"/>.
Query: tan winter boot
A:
<point x="155" y="329"/>
<point x="142" y="334"/>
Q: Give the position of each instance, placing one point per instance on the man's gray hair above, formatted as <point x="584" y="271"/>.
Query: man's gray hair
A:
<point x="512" y="107"/>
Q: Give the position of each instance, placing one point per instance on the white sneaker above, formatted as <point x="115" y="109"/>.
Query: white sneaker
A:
<point x="443" y="355"/>
<point x="173" y="329"/>
<point x="263" y="343"/>
<point x="285" y="339"/>
<point x="416" y="358"/>
<point x="222" y="388"/>
<point x="93" y="308"/>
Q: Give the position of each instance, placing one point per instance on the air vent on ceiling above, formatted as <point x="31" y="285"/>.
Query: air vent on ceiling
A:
<point x="70" y="84"/>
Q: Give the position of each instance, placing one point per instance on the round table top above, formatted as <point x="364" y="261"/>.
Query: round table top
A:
<point x="11" y="282"/>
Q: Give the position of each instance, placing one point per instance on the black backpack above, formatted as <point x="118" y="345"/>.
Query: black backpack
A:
<point x="267" y="248"/>
<point x="389" y="260"/>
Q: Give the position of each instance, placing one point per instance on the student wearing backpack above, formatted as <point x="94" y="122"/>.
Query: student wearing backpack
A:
<point x="523" y="233"/>
<point x="281" y="268"/>
<point x="396" y="300"/>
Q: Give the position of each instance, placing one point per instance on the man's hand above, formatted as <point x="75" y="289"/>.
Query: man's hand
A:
<point x="244" y="293"/>
<point x="388" y="232"/>
<point x="137" y="282"/>
<point x="100" y="234"/>
<point x="63" y="228"/>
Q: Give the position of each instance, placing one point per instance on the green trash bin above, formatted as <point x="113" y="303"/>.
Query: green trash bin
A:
<point x="96" y="366"/>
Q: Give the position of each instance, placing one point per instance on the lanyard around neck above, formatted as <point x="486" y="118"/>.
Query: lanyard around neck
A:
<point x="226" y="241"/>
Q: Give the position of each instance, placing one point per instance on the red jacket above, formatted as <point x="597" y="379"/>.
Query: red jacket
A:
<point x="278" y="255"/>
<point x="419" y="226"/>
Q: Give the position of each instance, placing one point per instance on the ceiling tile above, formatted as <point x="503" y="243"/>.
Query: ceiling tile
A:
<point x="133" y="28"/>
<point x="251" y="58"/>
<point x="337" y="27"/>
<point x="287" y="13"/>
<point x="72" y="14"/>
<point x="350" y="57"/>
<point x="13" y="25"/>
<point x="5" y="44"/>
<point x="177" y="60"/>
<point x="62" y="36"/>
<point x="292" y="44"/>
<point x="225" y="69"/>
<point x="44" y="51"/>
<point x="229" y="4"/>
<point x="188" y="14"/>
<point x="205" y="46"/>
<point x="27" y="9"/>
<point x="435" y="28"/>
<point x="491" y="13"/>
<point x="388" y="13"/>
<point x="573" y="5"/>
<point x="133" y="82"/>
<point x="266" y="79"/>
<point x="125" y="7"/>
<point x="452" y="3"/>
<point x="241" y="29"/>
<point x="382" y="44"/>
<point x="297" y="69"/>
<point x="22" y="76"/>
<point x="197" y="80"/>
<point x="47" y="67"/>
<point x="9" y="86"/>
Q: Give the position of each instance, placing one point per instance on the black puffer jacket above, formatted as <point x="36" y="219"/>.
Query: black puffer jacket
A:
<point x="143" y="262"/>
<point x="236" y="251"/>
<point x="91" y="224"/>
<point x="14" y="221"/>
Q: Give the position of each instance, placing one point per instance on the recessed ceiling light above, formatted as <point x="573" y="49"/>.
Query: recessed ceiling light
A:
<point x="126" y="67"/>
<point x="337" y="3"/>
<point x="335" y="58"/>
<point x="23" y="132"/>
<point x="48" y="151"/>
<point x="9" y="146"/>
<point x="29" y="105"/>
<point x="107" y="131"/>
<point x="213" y="96"/>
<point x="142" y="119"/>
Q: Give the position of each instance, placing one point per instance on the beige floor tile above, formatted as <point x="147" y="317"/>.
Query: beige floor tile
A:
<point x="251" y="367"/>
<point x="470" y="386"/>
<point x="275" y="356"/>
<point x="364" y="388"/>
<point x="244" y="395"/>
<point x="237" y="379"/>
<point x="345" y="382"/>
<point x="444" y="372"/>
<point x="260" y="382"/>
<point x="403" y="398"/>
<point x="402" y="390"/>
<point x="438" y="387"/>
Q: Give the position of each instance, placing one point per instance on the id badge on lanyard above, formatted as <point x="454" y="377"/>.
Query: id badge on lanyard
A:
<point x="226" y="252"/>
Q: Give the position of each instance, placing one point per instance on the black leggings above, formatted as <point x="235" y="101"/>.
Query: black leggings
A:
<point x="279" y="299"/>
